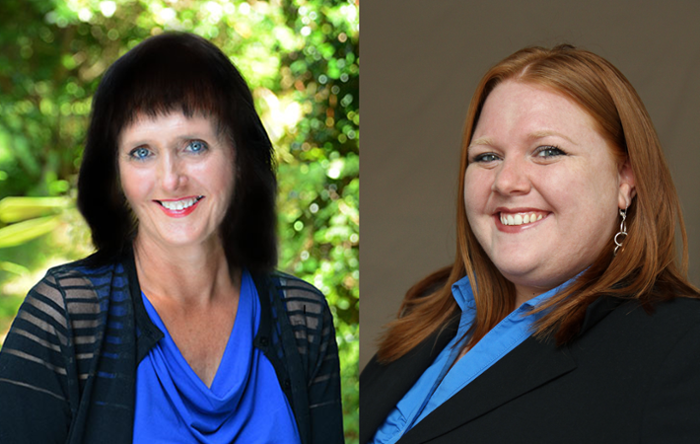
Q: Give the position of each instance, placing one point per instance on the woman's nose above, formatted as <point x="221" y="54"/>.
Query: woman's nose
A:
<point x="172" y="174"/>
<point x="512" y="177"/>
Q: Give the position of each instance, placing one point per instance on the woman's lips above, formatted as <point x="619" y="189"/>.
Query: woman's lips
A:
<point x="179" y="207"/>
<point x="517" y="221"/>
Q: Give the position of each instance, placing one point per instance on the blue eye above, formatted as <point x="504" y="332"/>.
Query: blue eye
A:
<point x="485" y="158"/>
<point x="549" y="151"/>
<point x="140" y="153"/>
<point x="197" y="146"/>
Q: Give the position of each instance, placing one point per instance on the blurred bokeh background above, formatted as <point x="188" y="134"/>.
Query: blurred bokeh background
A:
<point x="301" y="60"/>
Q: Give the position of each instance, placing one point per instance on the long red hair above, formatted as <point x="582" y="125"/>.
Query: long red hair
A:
<point x="646" y="268"/>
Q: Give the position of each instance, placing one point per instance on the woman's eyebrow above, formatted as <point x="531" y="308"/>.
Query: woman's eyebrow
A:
<point x="532" y="136"/>
<point x="180" y="138"/>
<point x="480" y="141"/>
<point x="548" y="133"/>
<point x="193" y="136"/>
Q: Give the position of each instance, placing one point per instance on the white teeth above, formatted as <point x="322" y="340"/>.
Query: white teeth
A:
<point x="180" y="204"/>
<point x="519" y="219"/>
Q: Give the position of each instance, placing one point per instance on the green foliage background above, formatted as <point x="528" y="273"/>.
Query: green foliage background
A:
<point x="301" y="59"/>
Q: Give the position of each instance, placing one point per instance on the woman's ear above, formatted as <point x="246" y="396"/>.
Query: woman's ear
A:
<point x="627" y="185"/>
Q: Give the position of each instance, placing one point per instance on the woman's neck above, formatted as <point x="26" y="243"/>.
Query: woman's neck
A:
<point x="191" y="275"/>
<point x="524" y="294"/>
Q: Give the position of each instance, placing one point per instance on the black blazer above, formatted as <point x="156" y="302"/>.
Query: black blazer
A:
<point x="629" y="377"/>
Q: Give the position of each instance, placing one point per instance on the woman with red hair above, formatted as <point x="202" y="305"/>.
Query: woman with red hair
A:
<point x="565" y="316"/>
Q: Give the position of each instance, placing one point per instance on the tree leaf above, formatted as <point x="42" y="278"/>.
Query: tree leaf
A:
<point x="21" y="232"/>
<point x="16" y="209"/>
<point x="11" y="267"/>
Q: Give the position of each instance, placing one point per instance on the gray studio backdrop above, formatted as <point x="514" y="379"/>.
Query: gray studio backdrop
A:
<point x="421" y="63"/>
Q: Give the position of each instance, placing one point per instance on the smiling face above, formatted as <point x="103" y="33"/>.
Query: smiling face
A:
<point x="542" y="189"/>
<point x="178" y="177"/>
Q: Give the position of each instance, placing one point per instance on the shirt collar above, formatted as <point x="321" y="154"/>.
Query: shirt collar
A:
<point x="464" y="296"/>
<point x="462" y="292"/>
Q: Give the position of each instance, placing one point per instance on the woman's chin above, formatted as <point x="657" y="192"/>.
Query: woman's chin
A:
<point x="525" y="274"/>
<point x="181" y="240"/>
<point x="516" y="265"/>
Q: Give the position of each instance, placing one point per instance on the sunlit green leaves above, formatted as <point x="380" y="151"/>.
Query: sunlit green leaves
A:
<point x="22" y="232"/>
<point x="16" y="209"/>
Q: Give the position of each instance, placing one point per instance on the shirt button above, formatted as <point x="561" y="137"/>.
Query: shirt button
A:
<point x="287" y="384"/>
<point x="264" y="341"/>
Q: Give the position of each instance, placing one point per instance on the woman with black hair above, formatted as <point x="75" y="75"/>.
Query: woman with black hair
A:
<point x="177" y="329"/>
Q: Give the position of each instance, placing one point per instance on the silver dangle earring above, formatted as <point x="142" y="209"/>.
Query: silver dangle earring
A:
<point x="622" y="234"/>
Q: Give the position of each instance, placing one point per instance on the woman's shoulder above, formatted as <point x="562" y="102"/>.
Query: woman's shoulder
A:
<point x="678" y="311"/>
<point x="80" y="280"/>
<point x="296" y="289"/>
<point x="92" y="265"/>
<point x="657" y="325"/>
<point x="305" y="305"/>
<point x="679" y="314"/>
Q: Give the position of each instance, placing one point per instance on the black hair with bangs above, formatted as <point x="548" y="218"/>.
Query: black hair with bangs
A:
<point x="179" y="72"/>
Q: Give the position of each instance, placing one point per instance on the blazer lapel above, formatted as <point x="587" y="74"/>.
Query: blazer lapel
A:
<point x="383" y="386"/>
<point x="528" y="366"/>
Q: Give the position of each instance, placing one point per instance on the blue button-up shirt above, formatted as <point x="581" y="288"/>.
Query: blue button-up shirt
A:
<point x="442" y="379"/>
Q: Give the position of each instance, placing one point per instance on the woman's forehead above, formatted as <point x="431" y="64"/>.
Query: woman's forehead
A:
<point x="174" y="122"/>
<point x="534" y="108"/>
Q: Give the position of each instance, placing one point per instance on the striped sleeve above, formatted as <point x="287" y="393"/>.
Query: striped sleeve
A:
<point x="312" y="323"/>
<point x="35" y="362"/>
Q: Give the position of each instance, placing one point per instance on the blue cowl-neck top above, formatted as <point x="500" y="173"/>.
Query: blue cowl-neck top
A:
<point x="245" y="402"/>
